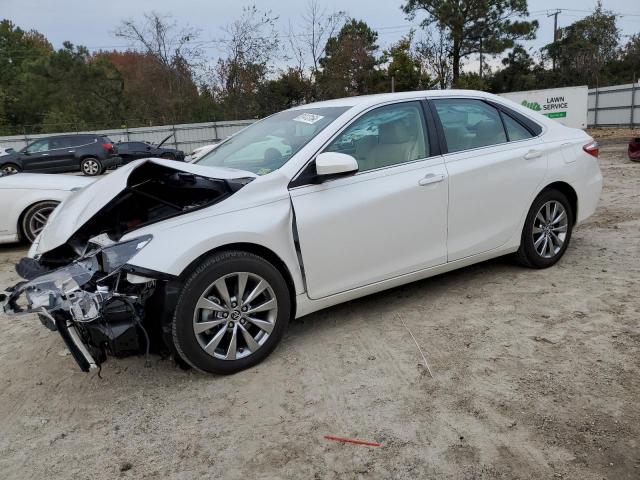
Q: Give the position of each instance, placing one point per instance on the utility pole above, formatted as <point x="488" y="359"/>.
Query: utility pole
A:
<point x="480" y="57"/>
<point x="555" y="32"/>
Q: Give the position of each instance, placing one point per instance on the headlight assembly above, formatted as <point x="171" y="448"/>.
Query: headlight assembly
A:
<point x="116" y="255"/>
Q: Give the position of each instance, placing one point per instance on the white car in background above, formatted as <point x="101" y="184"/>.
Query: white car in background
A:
<point x="28" y="199"/>
<point x="200" y="152"/>
<point x="308" y="208"/>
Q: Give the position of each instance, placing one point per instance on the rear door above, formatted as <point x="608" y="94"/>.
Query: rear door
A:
<point x="495" y="165"/>
<point x="388" y="219"/>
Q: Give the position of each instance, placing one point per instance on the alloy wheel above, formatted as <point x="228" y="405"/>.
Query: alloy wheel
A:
<point x="9" y="170"/>
<point x="90" y="167"/>
<point x="235" y="315"/>
<point x="550" y="226"/>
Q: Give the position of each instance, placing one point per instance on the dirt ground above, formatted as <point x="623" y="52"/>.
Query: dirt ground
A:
<point x="535" y="375"/>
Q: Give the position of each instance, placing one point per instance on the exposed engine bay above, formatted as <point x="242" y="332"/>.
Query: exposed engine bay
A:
<point x="85" y="289"/>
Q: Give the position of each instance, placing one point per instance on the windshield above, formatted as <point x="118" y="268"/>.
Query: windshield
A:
<point x="267" y="145"/>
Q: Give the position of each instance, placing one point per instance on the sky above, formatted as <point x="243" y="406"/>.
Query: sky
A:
<point x="91" y="22"/>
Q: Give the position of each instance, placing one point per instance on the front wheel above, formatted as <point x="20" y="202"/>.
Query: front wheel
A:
<point x="547" y="230"/>
<point x="232" y="312"/>
<point x="9" y="169"/>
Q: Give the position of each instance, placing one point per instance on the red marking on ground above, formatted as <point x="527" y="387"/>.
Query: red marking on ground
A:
<point x="352" y="440"/>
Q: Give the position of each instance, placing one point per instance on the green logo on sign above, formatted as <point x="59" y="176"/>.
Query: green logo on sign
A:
<point x="532" y="105"/>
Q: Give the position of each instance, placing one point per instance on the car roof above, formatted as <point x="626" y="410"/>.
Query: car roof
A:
<point x="370" y="100"/>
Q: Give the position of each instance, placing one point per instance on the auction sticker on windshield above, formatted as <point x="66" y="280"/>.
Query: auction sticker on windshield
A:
<point x="309" y="118"/>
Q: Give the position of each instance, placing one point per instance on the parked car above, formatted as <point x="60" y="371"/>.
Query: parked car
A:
<point x="130" y="151"/>
<point x="28" y="199"/>
<point x="200" y="152"/>
<point x="212" y="260"/>
<point x="88" y="153"/>
<point x="634" y="149"/>
<point x="5" y="151"/>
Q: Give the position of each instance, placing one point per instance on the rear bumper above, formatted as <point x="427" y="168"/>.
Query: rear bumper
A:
<point x="112" y="162"/>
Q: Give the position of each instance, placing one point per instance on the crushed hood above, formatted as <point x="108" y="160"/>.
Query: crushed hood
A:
<point x="81" y="206"/>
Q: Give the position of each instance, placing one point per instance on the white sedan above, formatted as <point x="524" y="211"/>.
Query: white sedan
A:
<point x="28" y="199"/>
<point x="370" y="193"/>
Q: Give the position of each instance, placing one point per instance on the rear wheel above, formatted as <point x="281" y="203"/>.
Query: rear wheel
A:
<point x="232" y="312"/>
<point x="547" y="230"/>
<point x="35" y="218"/>
<point x="9" y="168"/>
<point x="91" y="166"/>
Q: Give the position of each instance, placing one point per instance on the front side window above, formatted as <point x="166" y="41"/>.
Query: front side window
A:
<point x="388" y="135"/>
<point x="38" y="146"/>
<point x="267" y="145"/>
<point x="469" y="123"/>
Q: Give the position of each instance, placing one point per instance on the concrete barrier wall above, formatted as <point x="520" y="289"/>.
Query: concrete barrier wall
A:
<point x="186" y="136"/>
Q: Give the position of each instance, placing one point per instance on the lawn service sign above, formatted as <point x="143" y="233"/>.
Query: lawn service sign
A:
<point x="566" y="105"/>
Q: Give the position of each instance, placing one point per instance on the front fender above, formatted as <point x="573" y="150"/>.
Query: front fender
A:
<point x="176" y="247"/>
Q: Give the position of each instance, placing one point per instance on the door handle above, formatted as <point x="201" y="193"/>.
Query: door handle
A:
<point x="531" y="154"/>
<point x="72" y="151"/>
<point x="430" y="178"/>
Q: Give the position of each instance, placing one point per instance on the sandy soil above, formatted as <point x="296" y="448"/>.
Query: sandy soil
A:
<point x="536" y="375"/>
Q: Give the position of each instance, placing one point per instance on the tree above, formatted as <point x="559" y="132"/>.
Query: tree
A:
<point x="18" y="50"/>
<point x="474" y="26"/>
<point x="172" y="61"/>
<point x="434" y="50"/>
<point x="405" y="65"/>
<point x="288" y="90"/>
<point x="308" y="44"/>
<point x="253" y="43"/>
<point x="585" y="46"/>
<point x="519" y="72"/>
<point x="348" y="66"/>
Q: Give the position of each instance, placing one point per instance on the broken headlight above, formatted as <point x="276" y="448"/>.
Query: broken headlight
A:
<point x="116" y="255"/>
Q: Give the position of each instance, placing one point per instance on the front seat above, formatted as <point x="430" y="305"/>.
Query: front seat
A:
<point x="396" y="144"/>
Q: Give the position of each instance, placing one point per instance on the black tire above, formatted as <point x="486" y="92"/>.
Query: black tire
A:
<point x="168" y="156"/>
<point x="91" y="166"/>
<point x="10" y="169"/>
<point x="199" y="282"/>
<point x="33" y="220"/>
<point x="527" y="254"/>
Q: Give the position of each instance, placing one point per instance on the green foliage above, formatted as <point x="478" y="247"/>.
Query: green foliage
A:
<point x="405" y="66"/>
<point x="585" y="46"/>
<point x="349" y="61"/>
<point x="490" y="26"/>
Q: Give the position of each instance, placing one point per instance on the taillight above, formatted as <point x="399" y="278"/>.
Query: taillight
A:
<point x="592" y="148"/>
<point x="107" y="146"/>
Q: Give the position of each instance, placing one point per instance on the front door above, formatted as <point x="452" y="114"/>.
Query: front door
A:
<point x="388" y="219"/>
<point x="36" y="157"/>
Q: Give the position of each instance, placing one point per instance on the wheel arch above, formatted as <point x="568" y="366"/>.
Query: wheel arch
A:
<point x="569" y="192"/>
<point x="256" y="249"/>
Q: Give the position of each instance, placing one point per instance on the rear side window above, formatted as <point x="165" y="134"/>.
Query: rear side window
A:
<point x="469" y="123"/>
<point x="515" y="131"/>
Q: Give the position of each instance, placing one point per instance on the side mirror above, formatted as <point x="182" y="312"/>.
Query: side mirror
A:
<point x="148" y="148"/>
<point x="334" y="163"/>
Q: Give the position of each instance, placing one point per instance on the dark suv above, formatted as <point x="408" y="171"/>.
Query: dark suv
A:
<point x="91" y="154"/>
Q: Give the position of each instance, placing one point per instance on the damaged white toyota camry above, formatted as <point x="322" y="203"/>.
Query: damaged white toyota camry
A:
<point x="305" y="209"/>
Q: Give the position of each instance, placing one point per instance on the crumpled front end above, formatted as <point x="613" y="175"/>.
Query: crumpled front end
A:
<point x="78" y="278"/>
<point x="96" y="302"/>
